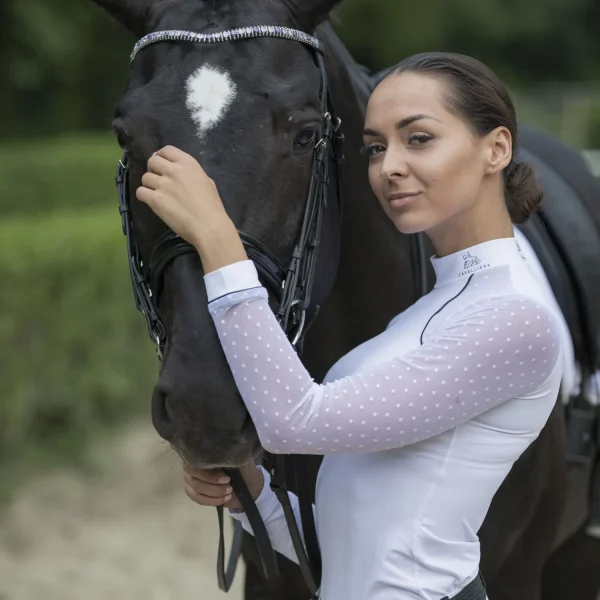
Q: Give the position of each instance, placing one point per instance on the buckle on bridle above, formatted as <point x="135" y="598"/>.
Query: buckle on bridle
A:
<point x="321" y="144"/>
<point x="300" y="329"/>
<point x="158" y="348"/>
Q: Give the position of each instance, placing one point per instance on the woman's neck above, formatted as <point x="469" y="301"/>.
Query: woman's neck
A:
<point x="484" y="221"/>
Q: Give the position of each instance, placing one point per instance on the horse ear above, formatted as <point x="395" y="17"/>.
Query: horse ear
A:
<point x="133" y="14"/>
<point x="310" y="13"/>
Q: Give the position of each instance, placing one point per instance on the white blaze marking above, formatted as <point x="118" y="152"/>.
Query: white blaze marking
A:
<point x="210" y="92"/>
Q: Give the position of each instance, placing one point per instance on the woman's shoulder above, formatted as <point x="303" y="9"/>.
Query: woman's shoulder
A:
<point x="504" y="285"/>
<point x="513" y="321"/>
<point x="501" y="299"/>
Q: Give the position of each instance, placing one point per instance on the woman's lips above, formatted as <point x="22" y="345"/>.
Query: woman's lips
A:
<point x="400" y="200"/>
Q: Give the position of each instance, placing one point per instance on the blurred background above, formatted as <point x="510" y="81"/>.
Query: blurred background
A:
<point x="91" y="503"/>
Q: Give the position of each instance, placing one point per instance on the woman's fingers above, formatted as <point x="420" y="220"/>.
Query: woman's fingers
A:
<point x="208" y="475"/>
<point x="172" y="154"/>
<point x="159" y="165"/>
<point x="202" y="499"/>
<point x="207" y="489"/>
<point x="143" y="194"/>
<point x="150" y="180"/>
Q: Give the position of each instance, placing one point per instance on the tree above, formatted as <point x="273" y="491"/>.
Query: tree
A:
<point x="65" y="62"/>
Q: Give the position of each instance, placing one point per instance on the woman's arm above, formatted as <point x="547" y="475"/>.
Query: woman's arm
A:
<point x="464" y="370"/>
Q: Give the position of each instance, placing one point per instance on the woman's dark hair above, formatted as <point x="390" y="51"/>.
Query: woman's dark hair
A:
<point x="478" y="97"/>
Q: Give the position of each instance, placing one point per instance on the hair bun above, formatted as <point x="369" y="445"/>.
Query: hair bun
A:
<point x="523" y="193"/>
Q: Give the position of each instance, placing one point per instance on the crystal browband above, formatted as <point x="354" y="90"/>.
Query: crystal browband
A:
<point x="243" y="33"/>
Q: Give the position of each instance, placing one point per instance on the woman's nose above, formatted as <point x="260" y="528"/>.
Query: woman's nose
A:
<point x="394" y="165"/>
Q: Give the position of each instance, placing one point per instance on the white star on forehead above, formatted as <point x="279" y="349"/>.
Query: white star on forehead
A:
<point x="210" y="91"/>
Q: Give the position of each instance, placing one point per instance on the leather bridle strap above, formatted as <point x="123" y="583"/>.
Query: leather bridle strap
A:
<point x="225" y="577"/>
<point x="419" y="265"/>
<point x="307" y="517"/>
<point x="267" y="554"/>
<point x="279" y="487"/>
<point x="170" y="246"/>
<point x="142" y="293"/>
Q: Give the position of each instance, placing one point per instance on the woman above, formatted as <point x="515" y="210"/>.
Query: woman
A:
<point x="421" y="424"/>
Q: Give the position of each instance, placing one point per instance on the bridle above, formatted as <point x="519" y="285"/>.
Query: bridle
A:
<point x="291" y="287"/>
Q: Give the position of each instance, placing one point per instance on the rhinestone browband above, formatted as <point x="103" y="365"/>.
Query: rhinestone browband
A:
<point x="243" y="33"/>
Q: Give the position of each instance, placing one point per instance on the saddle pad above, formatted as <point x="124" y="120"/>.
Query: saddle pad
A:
<point x="568" y="163"/>
<point x="548" y="268"/>
<point x="576" y="238"/>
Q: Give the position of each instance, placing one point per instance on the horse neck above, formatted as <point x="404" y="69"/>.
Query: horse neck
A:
<point x="374" y="279"/>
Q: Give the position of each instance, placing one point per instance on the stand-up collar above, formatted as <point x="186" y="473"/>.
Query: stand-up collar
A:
<point x="475" y="259"/>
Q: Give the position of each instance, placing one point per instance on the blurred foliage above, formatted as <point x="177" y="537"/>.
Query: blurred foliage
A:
<point x="65" y="62"/>
<point x="69" y="171"/>
<point x="524" y="42"/>
<point x="75" y="355"/>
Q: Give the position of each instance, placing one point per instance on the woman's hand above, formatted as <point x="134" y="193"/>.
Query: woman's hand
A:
<point x="211" y="487"/>
<point x="178" y="190"/>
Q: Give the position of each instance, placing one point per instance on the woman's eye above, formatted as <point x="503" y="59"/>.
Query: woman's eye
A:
<point x="372" y="150"/>
<point x="418" y="139"/>
<point x="305" y="138"/>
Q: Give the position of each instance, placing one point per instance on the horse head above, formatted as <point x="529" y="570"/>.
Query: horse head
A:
<point x="250" y="111"/>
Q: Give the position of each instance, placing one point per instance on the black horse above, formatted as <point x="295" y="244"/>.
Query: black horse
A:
<point x="259" y="154"/>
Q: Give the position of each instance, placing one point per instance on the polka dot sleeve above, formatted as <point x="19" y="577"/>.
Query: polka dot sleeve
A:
<point x="468" y="366"/>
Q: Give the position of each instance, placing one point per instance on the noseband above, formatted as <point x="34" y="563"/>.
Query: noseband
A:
<point x="291" y="287"/>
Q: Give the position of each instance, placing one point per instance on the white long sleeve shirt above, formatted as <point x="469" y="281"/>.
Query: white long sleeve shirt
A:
<point x="420" y="425"/>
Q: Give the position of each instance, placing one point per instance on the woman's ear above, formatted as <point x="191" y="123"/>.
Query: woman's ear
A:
<point x="499" y="150"/>
<point x="310" y="13"/>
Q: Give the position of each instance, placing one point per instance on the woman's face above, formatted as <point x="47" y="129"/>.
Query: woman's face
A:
<point x="426" y="166"/>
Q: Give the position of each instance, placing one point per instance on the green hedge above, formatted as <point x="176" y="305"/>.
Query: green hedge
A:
<point x="74" y="171"/>
<point x="74" y="355"/>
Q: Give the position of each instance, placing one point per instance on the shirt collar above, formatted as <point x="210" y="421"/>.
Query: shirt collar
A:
<point x="460" y="265"/>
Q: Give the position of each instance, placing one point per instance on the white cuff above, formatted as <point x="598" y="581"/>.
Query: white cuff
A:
<point x="266" y="503"/>
<point x="232" y="278"/>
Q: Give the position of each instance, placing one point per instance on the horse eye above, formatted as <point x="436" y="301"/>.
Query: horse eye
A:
<point x="305" y="139"/>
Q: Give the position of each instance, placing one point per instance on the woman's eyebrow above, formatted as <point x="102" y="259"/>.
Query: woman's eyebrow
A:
<point x="401" y="124"/>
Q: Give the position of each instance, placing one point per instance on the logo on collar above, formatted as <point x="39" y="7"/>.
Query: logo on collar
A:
<point x="473" y="264"/>
<point x="470" y="261"/>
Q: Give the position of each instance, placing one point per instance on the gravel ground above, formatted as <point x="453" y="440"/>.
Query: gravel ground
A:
<point x="130" y="533"/>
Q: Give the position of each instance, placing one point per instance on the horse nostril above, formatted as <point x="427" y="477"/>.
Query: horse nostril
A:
<point x="160" y="416"/>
